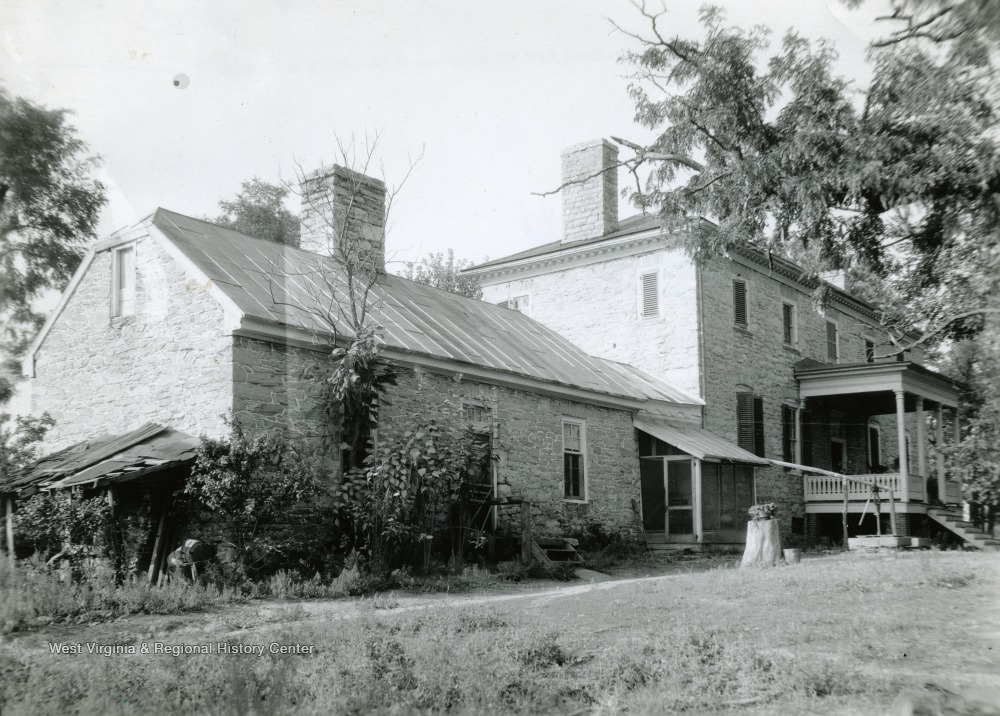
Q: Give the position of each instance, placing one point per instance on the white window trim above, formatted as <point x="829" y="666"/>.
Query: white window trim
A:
<point x="826" y="340"/>
<point x="639" y="295"/>
<point x="746" y="301"/>
<point x="116" y="309"/>
<point x="527" y="296"/>
<point x="583" y="451"/>
<point x="874" y="343"/>
<point x="843" y="450"/>
<point x="795" y="323"/>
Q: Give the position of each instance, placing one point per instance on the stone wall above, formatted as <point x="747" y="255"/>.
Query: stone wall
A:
<point x="756" y="359"/>
<point x="596" y="306"/>
<point x="169" y="363"/>
<point x="590" y="209"/>
<point x="528" y="441"/>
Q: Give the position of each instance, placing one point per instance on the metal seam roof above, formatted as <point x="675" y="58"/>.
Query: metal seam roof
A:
<point x="695" y="441"/>
<point x="416" y="318"/>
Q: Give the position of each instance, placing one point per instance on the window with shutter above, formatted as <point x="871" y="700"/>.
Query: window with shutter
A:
<point x="788" y="323"/>
<point x="123" y="297"/>
<point x="740" y="303"/>
<point x="744" y="421"/>
<point x="758" y="426"/>
<point x="832" y="347"/>
<point x="806" y="420"/>
<point x="650" y="298"/>
<point x="504" y="304"/>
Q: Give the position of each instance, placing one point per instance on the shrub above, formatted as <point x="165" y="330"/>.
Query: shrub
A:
<point x="763" y="511"/>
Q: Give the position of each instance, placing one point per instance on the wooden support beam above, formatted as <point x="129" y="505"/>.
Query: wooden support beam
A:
<point x="844" y="514"/>
<point x="154" y="560"/>
<point x="526" y="533"/>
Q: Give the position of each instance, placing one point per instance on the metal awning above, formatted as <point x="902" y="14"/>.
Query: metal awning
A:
<point x="696" y="441"/>
<point x="105" y="460"/>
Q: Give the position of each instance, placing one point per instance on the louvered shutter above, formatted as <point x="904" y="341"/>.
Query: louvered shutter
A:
<point x="744" y="421"/>
<point x="504" y="304"/>
<point x="788" y="321"/>
<point x="650" y="295"/>
<point x="740" y="303"/>
<point x="758" y="426"/>
<point x="807" y="437"/>
<point x="787" y="433"/>
<point x="831" y="341"/>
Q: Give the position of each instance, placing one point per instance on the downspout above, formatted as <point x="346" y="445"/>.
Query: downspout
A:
<point x="701" y="337"/>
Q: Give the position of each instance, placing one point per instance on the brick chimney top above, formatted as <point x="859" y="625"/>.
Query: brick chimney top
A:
<point x="590" y="209"/>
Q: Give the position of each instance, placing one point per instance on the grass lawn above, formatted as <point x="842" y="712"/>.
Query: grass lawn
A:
<point x="836" y="634"/>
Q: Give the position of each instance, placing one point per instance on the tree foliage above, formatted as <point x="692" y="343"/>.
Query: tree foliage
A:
<point x="61" y="524"/>
<point x="252" y="485"/>
<point x="443" y="271"/>
<point x="49" y="209"/>
<point x="259" y="210"/>
<point x="20" y="439"/>
<point x="900" y="182"/>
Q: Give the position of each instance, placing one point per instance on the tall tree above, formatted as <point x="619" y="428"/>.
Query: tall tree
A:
<point x="49" y="207"/>
<point x="443" y="271"/>
<point x="259" y="210"/>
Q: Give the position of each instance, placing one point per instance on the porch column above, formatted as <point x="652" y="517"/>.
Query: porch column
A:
<point x="922" y="443"/>
<point x="798" y="432"/>
<point x="939" y="439"/>
<point x="904" y="469"/>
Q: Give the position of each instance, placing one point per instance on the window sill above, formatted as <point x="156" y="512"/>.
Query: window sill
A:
<point x="743" y="329"/>
<point x="120" y="321"/>
<point x="792" y="349"/>
<point x="576" y="501"/>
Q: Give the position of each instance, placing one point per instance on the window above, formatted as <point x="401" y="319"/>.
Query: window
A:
<point x="520" y="303"/>
<point x="838" y="445"/>
<point x="789" y="332"/>
<point x="123" y="282"/>
<point x="869" y="350"/>
<point x="806" y="421"/>
<point x="727" y="494"/>
<point x="750" y="423"/>
<point x="477" y="415"/>
<point x="788" y="433"/>
<point x="574" y="464"/>
<point x="649" y="295"/>
<point x="740" y="303"/>
<point x="504" y="304"/>
<point x="832" y="342"/>
<point x="875" y="449"/>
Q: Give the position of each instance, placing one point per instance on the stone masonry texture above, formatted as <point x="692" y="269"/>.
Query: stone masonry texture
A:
<point x="590" y="209"/>
<point x="169" y="363"/>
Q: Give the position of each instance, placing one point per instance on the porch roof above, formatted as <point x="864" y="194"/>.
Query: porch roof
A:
<point x="871" y="387"/>
<point x="105" y="460"/>
<point x="695" y="441"/>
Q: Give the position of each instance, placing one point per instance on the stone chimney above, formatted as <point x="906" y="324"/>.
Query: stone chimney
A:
<point x="590" y="209"/>
<point x="343" y="216"/>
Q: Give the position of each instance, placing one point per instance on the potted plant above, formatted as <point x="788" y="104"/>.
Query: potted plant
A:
<point x="763" y="536"/>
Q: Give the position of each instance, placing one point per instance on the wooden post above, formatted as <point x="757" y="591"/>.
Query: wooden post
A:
<point x="921" y="445"/>
<point x="843" y="481"/>
<point x="892" y="512"/>
<point x="904" y="468"/>
<point x="10" y="527"/>
<point x="939" y="439"/>
<point x="526" y="533"/>
<point x="157" y="545"/>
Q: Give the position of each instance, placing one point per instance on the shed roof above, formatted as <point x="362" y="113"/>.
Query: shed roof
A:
<point x="292" y="287"/>
<point x="695" y="441"/>
<point x="106" y="459"/>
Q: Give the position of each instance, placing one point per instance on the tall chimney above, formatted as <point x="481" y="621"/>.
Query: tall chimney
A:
<point x="343" y="216"/>
<point x="590" y="209"/>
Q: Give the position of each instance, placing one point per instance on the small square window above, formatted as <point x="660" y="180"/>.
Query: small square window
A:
<point x="123" y="282"/>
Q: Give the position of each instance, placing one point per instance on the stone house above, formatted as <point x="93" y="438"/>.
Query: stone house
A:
<point x="781" y="378"/>
<point x="178" y="322"/>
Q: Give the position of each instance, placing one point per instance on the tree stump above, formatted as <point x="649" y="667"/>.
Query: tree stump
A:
<point x="763" y="544"/>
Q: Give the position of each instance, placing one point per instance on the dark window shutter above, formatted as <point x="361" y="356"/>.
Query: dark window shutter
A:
<point x="788" y="433"/>
<point x="740" y="302"/>
<point x="807" y="438"/>
<point x="788" y="320"/>
<point x="758" y="426"/>
<point x="831" y="341"/>
<point x="874" y="452"/>
<point x="869" y="351"/>
<point x="504" y="304"/>
<point x="744" y="421"/>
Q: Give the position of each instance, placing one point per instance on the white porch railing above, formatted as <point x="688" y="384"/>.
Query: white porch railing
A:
<point x="825" y="488"/>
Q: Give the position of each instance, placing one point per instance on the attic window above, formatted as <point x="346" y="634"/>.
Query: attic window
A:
<point x="123" y="282"/>
<point x="649" y="299"/>
<point x="740" y="303"/>
<point x="520" y="303"/>
<point x="504" y="304"/>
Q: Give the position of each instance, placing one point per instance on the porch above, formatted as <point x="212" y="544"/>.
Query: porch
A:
<point x="924" y="405"/>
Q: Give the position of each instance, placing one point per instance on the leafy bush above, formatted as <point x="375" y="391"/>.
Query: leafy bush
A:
<point x="61" y="524"/>
<point x="251" y="485"/>
<point x="763" y="511"/>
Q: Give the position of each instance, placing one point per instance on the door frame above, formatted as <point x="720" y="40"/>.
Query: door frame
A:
<point x="696" y="534"/>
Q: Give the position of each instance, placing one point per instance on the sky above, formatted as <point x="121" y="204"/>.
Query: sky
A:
<point x="488" y="92"/>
